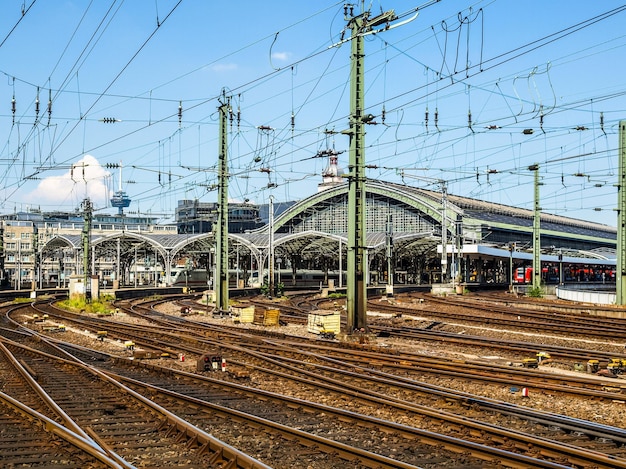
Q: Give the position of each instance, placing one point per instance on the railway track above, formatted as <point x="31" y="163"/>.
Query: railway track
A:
<point x="514" y="319"/>
<point x="516" y="313"/>
<point x="28" y="436"/>
<point x="490" y="298"/>
<point x="393" y="324"/>
<point x="364" y="369"/>
<point x="162" y="340"/>
<point x="196" y="409"/>
<point x="124" y="425"/>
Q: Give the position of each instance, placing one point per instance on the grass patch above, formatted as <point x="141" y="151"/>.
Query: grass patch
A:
<point x="78" y="304"/>
<point x="22" y="300"/>
<point x="337" y="295"/>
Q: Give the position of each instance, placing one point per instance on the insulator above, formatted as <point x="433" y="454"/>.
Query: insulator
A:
<point x="293" y="121"/>
<point x="469" y="118"/>
<point x="13" y="108"/>
<point x="37" y="105"/>
<point x="437" y="118"/>
<point x="180" y="113"/>
<point x="426" y="118"/>
<point x="49" y="105"/>
<point x="602" y="121"/>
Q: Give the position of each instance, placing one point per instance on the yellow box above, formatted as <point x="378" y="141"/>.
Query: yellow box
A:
<point x="327" y="321"/>
<point x="243" y="314"/>
<point x="271" y="317"/>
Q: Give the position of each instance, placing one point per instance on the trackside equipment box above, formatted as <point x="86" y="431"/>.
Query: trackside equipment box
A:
<point x="210" y="361"/>
<point x="243" y="315"/>
<point x="327" y="321"/>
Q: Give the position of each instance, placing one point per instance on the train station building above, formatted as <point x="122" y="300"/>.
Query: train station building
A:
<point x="419" y="236"/>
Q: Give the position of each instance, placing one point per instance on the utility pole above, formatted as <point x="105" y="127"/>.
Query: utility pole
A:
<point x="36" y="259"/>
<point x="270" y="257"/>
<point x="356" y="300"/>
<point x="86" y="235"/>
<point x="458" y="240"/>
<point x="536" y="231"/>
<point x="221" y="287"/>
<point x="444" y="233"/>
<point x="512" y="250"/>
<point x="620" y="271"/>
<point x="390" y="270"/>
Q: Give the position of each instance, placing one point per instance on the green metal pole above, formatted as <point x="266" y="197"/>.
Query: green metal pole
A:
<point x="270" y="253"/>
<point x="620" y="272"/>
<point x="536" y="232"/>
<point x="86" y="234"/>
<point x="356" y="286"/>
<point x="36" y="259"/>
<point x="221" y="287"/>
<point x="356" y="300"/>
<point x="390" y="270"/>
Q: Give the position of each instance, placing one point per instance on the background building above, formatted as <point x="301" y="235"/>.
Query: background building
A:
<point x="193" y="216"/>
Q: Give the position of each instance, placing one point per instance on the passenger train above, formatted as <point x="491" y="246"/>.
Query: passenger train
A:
<point x="201" y="278"/>
<point x="302" y="278"/>
<point x="571" y="273"/>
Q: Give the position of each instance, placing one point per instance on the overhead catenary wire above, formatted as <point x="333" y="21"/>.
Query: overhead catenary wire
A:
<point x="288" y="133"/>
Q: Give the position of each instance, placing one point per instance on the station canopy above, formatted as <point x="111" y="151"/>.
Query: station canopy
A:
<point x="415" y="220"/>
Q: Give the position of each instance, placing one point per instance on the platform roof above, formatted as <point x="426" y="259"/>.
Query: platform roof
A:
<point x="413" y="203"/>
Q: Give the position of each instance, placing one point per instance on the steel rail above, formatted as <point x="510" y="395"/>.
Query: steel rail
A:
<point x="86" y="445"/>
<point x="349" y="452"/>
<point x="575" y="425"/>
<point x="199" y="438"/>
<point x="551" y="448"/>
<point x="504" y="438"/>
<point x="543" y="325"/>
<point x="48" y="401"/>
<point x="547" y="447"/>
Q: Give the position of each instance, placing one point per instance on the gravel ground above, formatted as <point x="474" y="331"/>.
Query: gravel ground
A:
<point x="609" y="413"/>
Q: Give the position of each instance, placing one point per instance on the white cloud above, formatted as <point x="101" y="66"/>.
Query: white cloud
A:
<point x="85" y="178"/>
<point x="283" y="56"/>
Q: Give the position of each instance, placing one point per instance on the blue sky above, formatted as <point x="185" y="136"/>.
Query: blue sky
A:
<point x="488" y="70"/>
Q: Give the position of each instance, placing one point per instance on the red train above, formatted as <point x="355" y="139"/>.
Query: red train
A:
<point x="571" y="273"/>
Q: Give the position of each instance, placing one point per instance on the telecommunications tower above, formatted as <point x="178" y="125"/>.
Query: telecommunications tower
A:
<point x="120" y="199"/>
